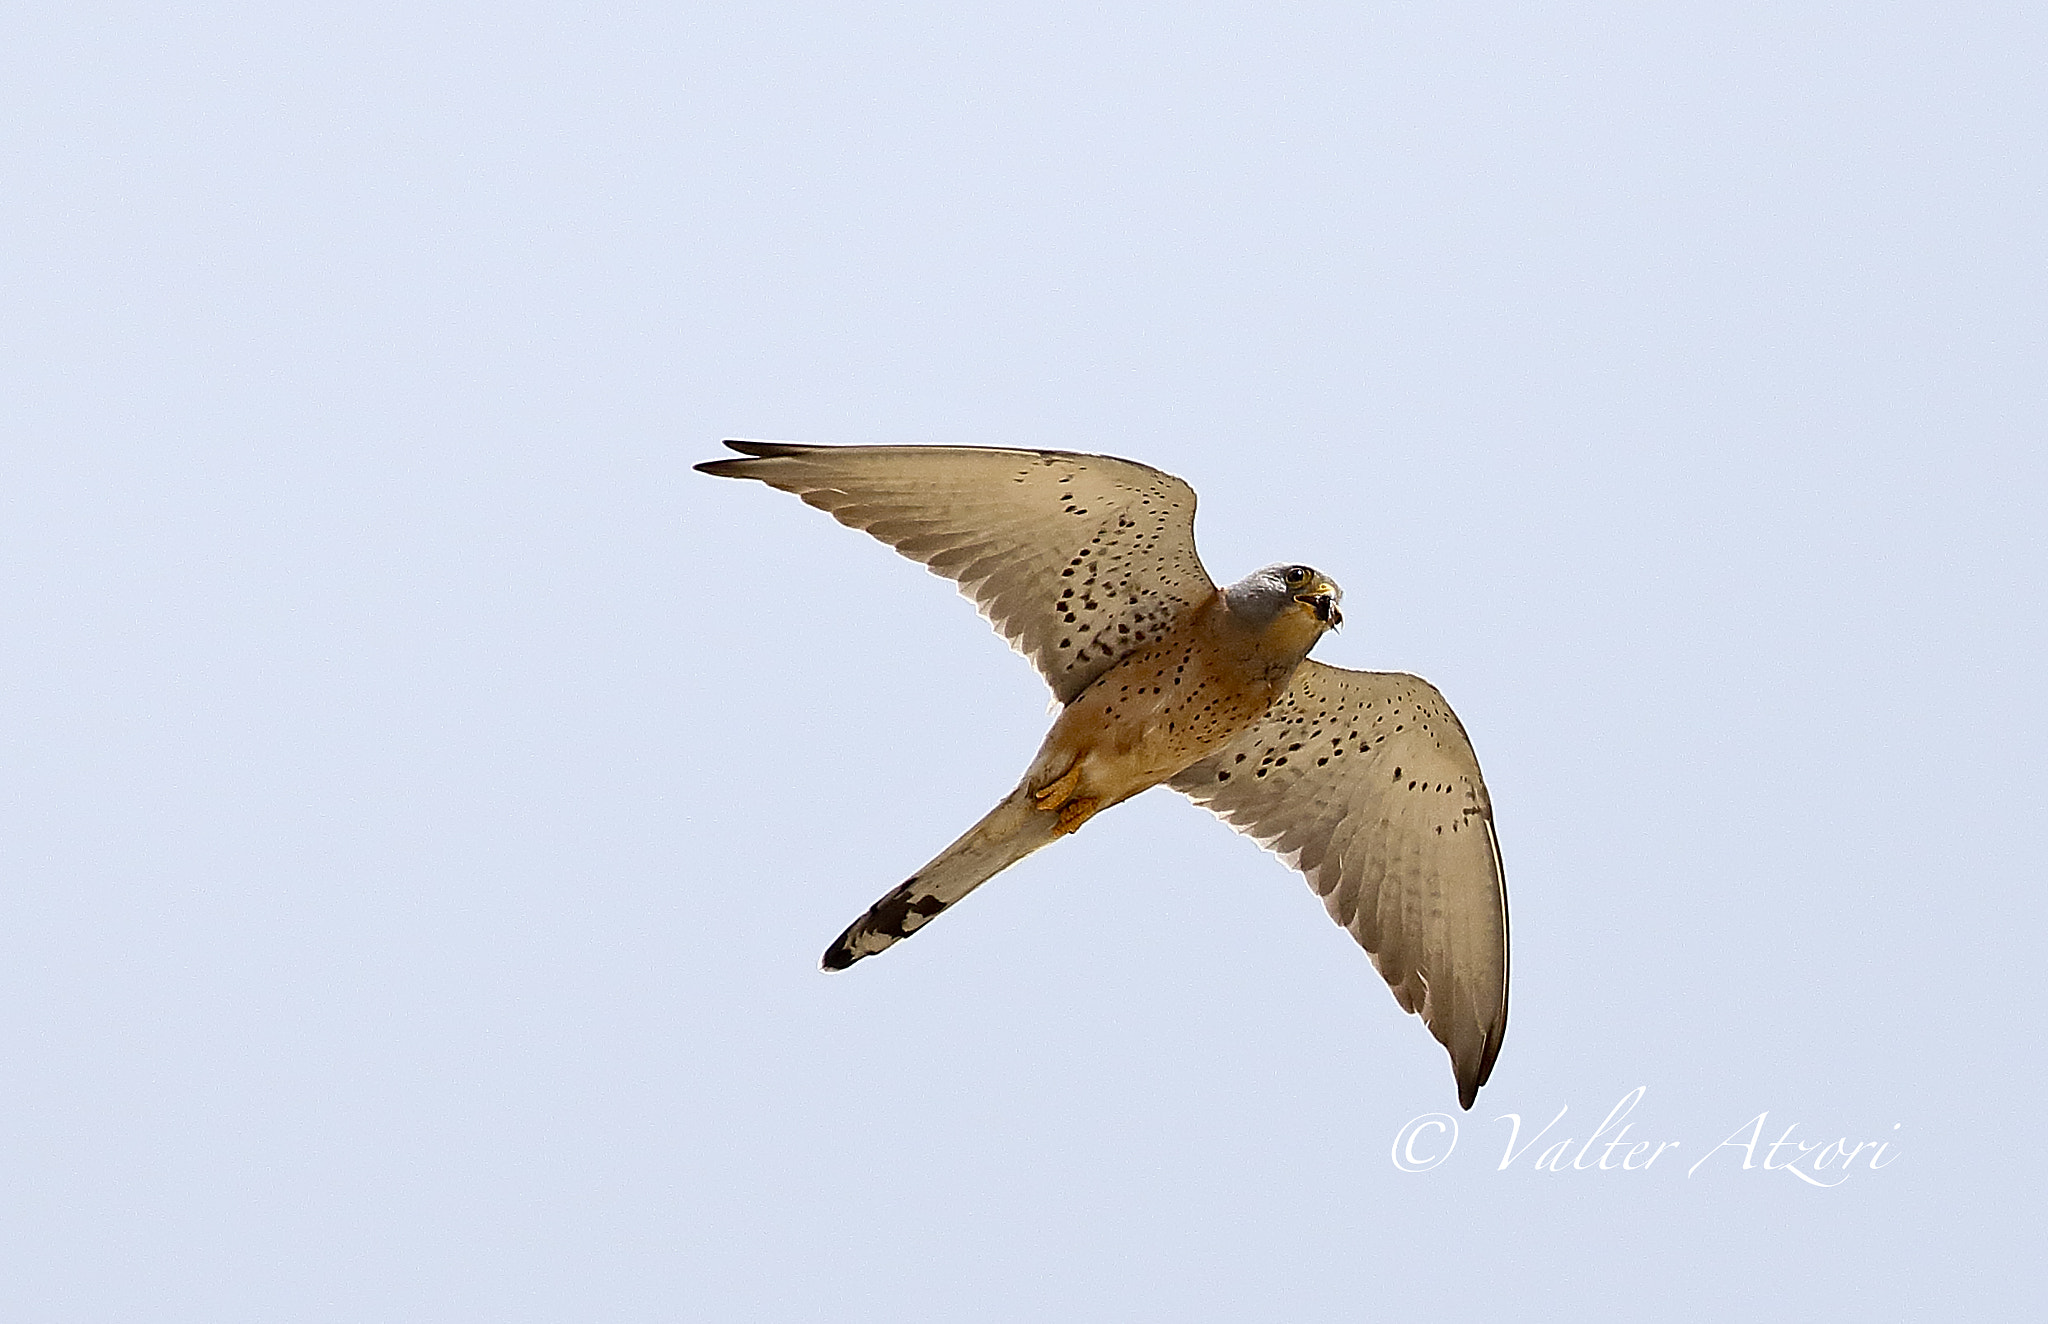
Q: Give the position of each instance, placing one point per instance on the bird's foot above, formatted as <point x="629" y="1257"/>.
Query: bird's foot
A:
<point x="1054" y="795"/>
<point x="1057" y="797"/>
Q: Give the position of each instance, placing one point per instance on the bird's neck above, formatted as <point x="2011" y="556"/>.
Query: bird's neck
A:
<point x="1267" y="649"/>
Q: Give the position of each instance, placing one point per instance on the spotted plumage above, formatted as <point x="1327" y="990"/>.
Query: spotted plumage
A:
<point x="1364" y="781"/>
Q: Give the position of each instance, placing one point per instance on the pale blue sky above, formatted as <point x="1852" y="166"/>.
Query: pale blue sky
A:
<point x="428" y="799"/>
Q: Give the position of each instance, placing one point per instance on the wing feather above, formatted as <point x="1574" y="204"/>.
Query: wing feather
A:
<point x="1366" y="782"/>
<point x="1077" y="560"/>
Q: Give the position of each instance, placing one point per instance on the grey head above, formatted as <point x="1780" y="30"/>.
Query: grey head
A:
<point x="1262" y="595"/>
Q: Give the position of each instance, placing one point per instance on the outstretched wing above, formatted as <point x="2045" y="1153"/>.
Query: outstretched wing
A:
<point x="1365" y="781"/>
<point x="1077" y="560"/>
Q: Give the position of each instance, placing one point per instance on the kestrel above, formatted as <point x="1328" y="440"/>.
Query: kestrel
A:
<point x="1362" y="780"/>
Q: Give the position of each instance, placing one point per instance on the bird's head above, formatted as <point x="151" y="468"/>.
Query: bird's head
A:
<point x="1316" y="592"/>
<point x="1264" y="594"/>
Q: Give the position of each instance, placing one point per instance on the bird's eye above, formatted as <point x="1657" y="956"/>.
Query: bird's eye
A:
<point x="1296" y="574"/>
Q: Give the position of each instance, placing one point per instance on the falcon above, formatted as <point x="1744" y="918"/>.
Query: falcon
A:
<point x="1363" y="780"/>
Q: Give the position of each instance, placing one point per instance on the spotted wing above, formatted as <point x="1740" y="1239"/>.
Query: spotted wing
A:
<point x="1077" y="560"/>
<point x="1365" y="782"/>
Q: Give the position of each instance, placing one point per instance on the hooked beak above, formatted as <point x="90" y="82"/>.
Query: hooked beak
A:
<point x="1321" y="598"/>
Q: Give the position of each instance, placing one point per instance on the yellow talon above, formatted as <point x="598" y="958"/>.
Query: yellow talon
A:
<point x="1075" y="812"/>
<point x="1056" y="794"/>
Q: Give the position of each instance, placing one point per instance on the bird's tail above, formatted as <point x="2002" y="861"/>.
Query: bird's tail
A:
<point x="1012" y="830"/>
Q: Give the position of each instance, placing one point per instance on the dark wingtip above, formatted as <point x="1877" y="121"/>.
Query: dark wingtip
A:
<point x="752" y="450"/>
<point x="1468" y="1086"/>
<point x="759" y="448"/>
<point x="839" y="956"/>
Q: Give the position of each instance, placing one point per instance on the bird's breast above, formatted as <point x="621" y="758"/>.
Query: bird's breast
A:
<point x="1162" y="709"/>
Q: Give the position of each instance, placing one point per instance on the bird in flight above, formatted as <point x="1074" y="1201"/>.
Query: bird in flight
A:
<point x="1362" y="780"/>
